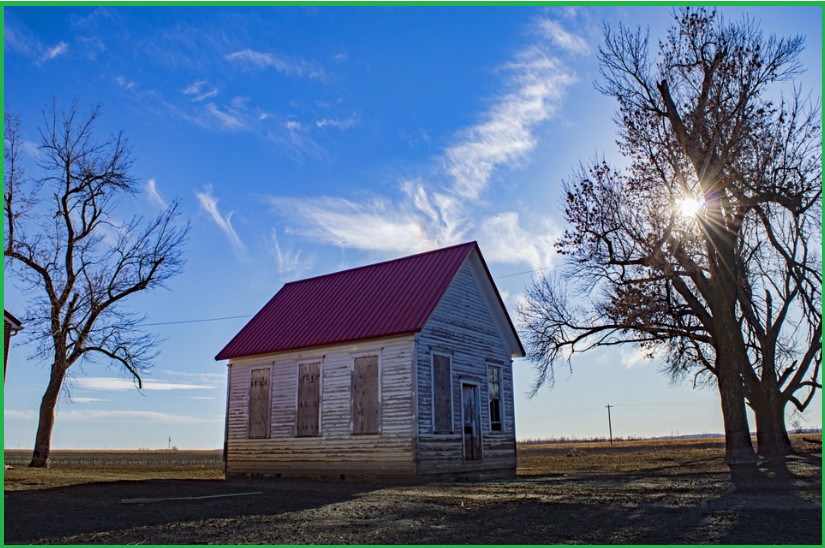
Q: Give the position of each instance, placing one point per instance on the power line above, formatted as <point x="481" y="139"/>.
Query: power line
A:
<point x="250" y="315"/>
<point x="520" y="273"/>
<point x="196" y="321"/>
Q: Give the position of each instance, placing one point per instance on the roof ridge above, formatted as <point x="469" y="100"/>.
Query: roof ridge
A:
<point x="382" y="263"/>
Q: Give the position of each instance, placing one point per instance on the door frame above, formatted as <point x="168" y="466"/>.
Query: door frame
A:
<point x="476" y="391"/>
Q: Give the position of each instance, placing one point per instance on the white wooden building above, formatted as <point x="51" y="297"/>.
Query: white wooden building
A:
<point x="399" y="369"/>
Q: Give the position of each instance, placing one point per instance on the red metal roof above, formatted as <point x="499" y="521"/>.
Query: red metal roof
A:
<point x="379" y="300"/>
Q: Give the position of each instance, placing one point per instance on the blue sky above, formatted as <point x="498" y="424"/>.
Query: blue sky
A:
<point x="305" y="140"/>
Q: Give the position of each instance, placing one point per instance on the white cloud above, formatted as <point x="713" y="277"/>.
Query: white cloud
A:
<point x="446" y="206"/>
<point x="87" y="400"/>
<point x="198" y="90"/>
<point x="227" y="120"/>
<point x="124" y="83"/>
<point x="562" y="38"/>
<point x="289" y="262"/>
<point x="17" y="38"/>
<point x="294" y="137"/>
<point x="112" y="415"/>
<point x="31" y="149"/>
<point x="340" y="222"/>
<point x="210" y="205"/>
<point x="290" y="66"/>
<point x="117" y="384"/>
<point x="633" y="357"/>
<point x="240" y="102"/>
<point x="200" y="377"/>
<point x="346" y="123"/>
<point x="153" y="194"/>
<point x="507" y="241"/>
<point x="55" y="51"/>
<point x="505" y="137"/>
<point x="26" y="415"/>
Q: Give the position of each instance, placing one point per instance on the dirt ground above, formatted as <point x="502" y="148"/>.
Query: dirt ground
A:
<point x="629" y="493"/>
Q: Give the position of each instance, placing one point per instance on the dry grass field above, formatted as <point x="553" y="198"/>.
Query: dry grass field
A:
<point x="648" y="492"/>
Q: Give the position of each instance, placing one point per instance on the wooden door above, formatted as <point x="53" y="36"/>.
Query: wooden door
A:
<point x="365" y="395"/>
<point x="259" y="411"/>
<point x="471" y="420"/>
<point x="309" y="399"/>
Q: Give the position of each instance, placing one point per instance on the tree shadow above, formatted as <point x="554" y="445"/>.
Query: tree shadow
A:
<point x="691" y="502"/>
<point x="35" y="515"/>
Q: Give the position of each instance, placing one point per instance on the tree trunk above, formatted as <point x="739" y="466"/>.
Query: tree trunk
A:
<point x="43" y="439"/>
<point x="731" y="356"/>
<point x="771" y="434"/>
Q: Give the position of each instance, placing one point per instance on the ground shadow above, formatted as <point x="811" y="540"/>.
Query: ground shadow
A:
<point x="34" y="515"/>
<point x="694" y="502"/>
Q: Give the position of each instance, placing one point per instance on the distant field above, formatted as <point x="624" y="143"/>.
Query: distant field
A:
<point x="649" y="492"/>
<point x="69" y="467"/>
<point x="117" y="459"/>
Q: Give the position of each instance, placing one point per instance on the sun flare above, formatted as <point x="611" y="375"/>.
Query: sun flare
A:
<point x="689" y="207"/>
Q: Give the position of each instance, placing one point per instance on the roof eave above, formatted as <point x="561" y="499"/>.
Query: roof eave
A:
<point x="221" y="355"/>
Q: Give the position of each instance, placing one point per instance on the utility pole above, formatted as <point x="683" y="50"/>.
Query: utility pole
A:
<point x="609" y="423"/>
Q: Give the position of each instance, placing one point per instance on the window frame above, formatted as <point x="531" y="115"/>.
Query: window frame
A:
<point x="501" y="415"/>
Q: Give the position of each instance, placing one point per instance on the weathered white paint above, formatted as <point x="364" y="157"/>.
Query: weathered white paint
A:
<point x="468" y="325"/>
<point x="336" y="450"/>
<point x="465" y="325"/>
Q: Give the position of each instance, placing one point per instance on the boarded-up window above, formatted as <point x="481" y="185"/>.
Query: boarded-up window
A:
<point x="309" y="399"/>
<point x="365" y="408"/>
<point x="259" y="404"/>
<point x="494" y="392"/>
<point x="442" y="395"/>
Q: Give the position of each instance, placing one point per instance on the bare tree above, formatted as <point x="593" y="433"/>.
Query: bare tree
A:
<point x="65" y="243"/>
<point x="704" y="248"/>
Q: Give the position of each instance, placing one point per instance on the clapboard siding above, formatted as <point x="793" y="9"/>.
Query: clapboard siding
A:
<point x="335" y="450"/>
<point x="463" y="327"/>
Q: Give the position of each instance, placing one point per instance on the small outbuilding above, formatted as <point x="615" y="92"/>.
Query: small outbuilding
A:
<point x="399" y="369"/>
<point x="11" y="326"/>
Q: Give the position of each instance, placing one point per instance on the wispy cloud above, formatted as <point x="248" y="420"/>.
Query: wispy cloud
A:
<point x="18" y="39"/>
<point x="293" y="137"/>
<point x="116" y="384"/>
<point x="200" y="90"/>
<point x="226" y="120"/>
<point x="341" y="124"/>
<point x="153" y="194"/>
<point x="55" y="51"/>
<point x="288" y="65"/>
<point x="340" y="222"/>
<point x="563" y="38"/>
<point x="113" y="415"/>
<point x="505" y="136"/>
<point x="631" y="357"/>
<point x="289" y="262"/>
<point x="25" y="415"/>
<point x="506" y="240"/>
<point x="210" y="205"/>
<point x="446" y="205"/>
<point x="124" y="83"/>
<point x="143" y="417"/>
<point x="88" y="400"/>
<point x="200" y="377"/>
